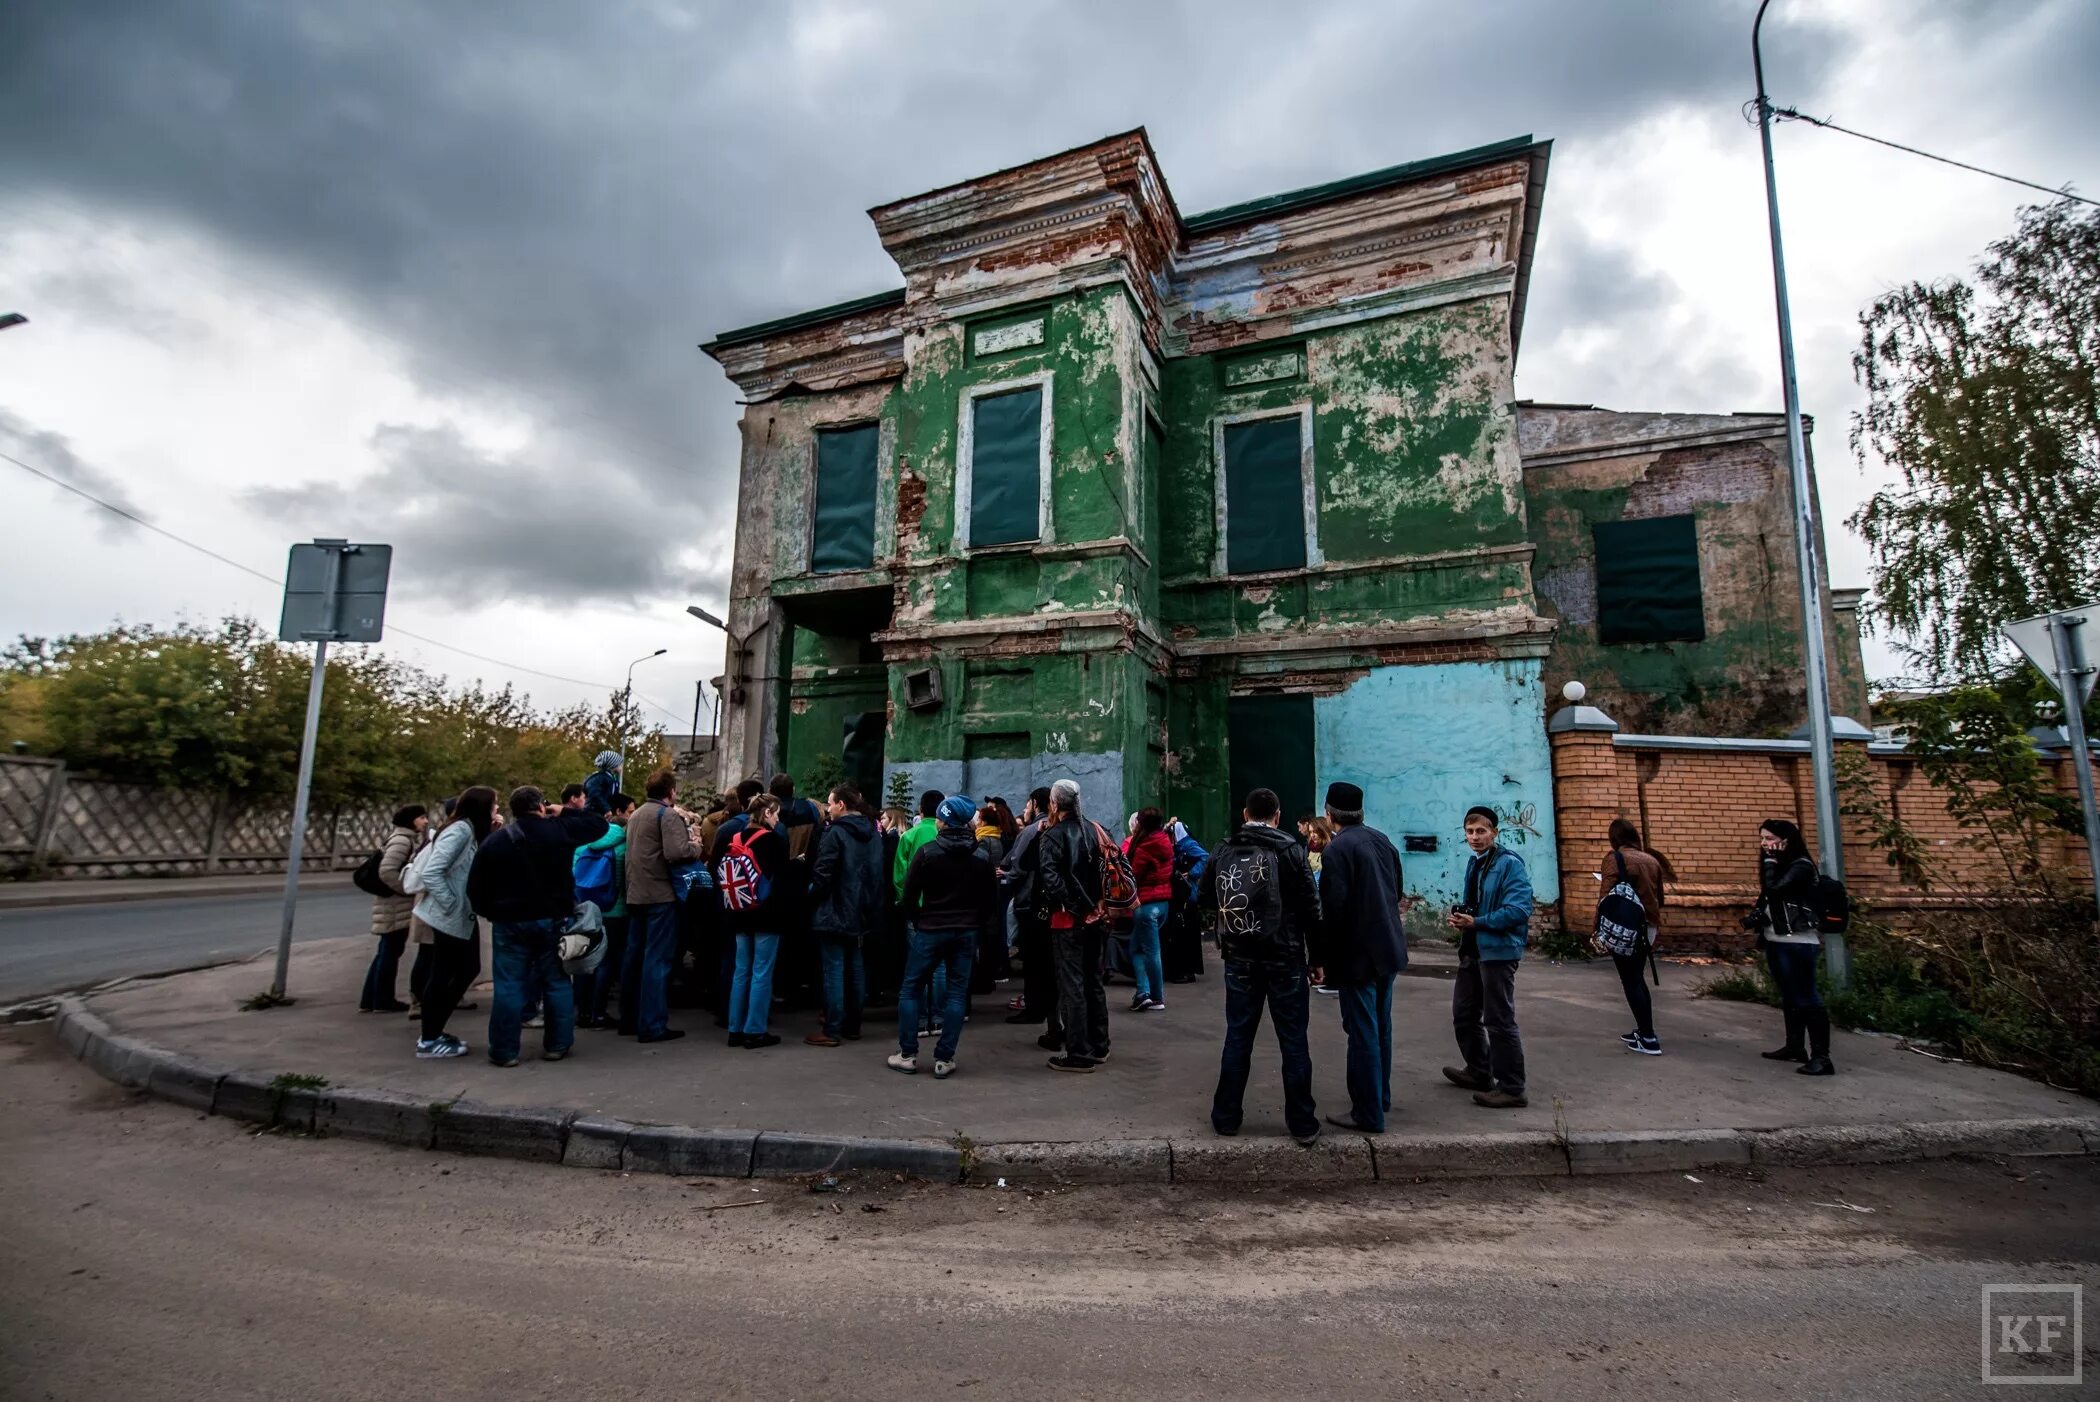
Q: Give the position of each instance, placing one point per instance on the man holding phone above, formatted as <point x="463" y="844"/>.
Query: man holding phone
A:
<point x="1493" y="924"/>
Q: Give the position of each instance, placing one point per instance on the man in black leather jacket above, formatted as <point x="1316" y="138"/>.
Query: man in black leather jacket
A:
<point x="1259" y="888"/>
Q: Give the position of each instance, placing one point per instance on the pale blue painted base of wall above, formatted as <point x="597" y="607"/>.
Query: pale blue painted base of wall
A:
<point x="1099" y="776"/>
<point x="1428" y="742"/>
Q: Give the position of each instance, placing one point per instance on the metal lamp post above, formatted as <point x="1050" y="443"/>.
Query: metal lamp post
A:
<point x="1829" y="839"/>
<point x="627" y="701"/>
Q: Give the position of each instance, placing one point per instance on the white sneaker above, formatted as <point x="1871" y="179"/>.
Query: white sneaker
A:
<point x="537" y="1020"/>
<point x="942" y="1070"/>
<point x="1155" y="1005"/>
<point x="909" y="1065"/>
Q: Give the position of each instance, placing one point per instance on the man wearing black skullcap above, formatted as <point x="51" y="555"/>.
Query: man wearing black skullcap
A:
<point x="1360" y="903"/>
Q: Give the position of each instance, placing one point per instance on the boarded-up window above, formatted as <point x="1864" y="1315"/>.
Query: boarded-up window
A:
<point x="843" y="537"/>
<point x="1269" y="745"/>
<point x="1264" y="495"/>
<point x="1648" y="581"/>
<point x="1006" y="467"/>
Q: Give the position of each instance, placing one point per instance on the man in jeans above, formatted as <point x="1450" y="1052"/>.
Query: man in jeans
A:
<point x="845" y="898"/>
<point x="1259" y="890"/>
<point x="658" y="838"/>
<point x="522" y="883"/>
<point x="951" y="891"/>
<point x="1068" y="881"/>
<point x="1493" y="924"/>
<point x="1360" y="911"/>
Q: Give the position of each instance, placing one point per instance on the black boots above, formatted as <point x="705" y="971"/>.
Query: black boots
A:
<point x="1792" y="1050"/>
<point x="1818" y="1045"/>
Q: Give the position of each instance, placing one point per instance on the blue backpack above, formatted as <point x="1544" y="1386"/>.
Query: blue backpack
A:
<point x="597" y="877"/>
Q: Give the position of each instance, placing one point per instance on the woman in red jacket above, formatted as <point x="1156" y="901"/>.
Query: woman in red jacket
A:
<point x="1151" y="854"/>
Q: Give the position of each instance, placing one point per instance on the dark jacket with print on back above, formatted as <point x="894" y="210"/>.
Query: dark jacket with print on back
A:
<point x="950" y="885"/>
<point x="1360" y="906"/>
<point x="846" y="884"/>
<point x="1261" y="889"/>
<point x="524" y="870"/>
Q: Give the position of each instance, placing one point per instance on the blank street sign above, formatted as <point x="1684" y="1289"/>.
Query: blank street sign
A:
<point x="2031" y="636"/>
<point x="359" y="602"/>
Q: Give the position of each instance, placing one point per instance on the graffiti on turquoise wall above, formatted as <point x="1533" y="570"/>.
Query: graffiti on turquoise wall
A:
<point x="1428" y="742"/>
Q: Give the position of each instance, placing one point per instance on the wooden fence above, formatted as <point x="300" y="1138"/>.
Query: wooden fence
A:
<point x="58" y="825"/>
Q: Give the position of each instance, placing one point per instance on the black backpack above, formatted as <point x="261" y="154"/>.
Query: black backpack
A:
<point x="1622" y="921"/>
<point x="1833" y="906"/>
<point x="366" y="877"/>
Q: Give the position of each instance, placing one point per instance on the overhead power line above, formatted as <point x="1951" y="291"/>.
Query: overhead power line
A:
<point x="187" y="544"/>
<point x="1794" y="114"/>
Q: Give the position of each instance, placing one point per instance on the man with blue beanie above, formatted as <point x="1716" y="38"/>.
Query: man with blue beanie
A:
<point x="950" y="893"/>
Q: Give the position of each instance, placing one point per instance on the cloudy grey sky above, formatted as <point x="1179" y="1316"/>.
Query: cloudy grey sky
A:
<point x="435" y="274"/>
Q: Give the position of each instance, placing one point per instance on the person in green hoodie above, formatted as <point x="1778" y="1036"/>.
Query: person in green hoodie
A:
<point x="933" y="990"/>
<point x="594" y="990"/>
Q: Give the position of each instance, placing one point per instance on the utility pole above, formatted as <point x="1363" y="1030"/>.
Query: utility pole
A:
<point x="1814" y="665"/>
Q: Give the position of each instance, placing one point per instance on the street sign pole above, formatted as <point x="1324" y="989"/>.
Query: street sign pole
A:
<point x="2067" y="632"/>
<point x="307" y="739"/>
<point x="334" y="592"/>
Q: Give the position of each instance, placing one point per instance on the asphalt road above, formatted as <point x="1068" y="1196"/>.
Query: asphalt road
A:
<point x="146" y="1252"/>
<point x="59" y="948"/>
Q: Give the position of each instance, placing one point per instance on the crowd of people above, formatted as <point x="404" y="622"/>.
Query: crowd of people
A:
<point x="606" y="912"/>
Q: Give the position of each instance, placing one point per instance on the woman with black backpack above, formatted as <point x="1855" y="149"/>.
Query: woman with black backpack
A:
<point x="1788" y="921"/>
<point x="1642" y="872"/>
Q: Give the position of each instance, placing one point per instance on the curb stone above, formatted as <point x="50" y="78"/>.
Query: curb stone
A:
<point x="1653" y="1150"/>
<point x="721" y="1153"/>
<point x="781" y="1155"/>
<point x="598" y="1141"/>
<point x="1337" y="1158"/>
<point x="387" y="1116"/>
<point x="503" y="1131"/>
<point x="1524" y="1154"/>
<point x="1098" y="1161"/>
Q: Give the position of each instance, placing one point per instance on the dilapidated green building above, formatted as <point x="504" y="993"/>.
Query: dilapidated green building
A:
<point x="1178" y="505"/>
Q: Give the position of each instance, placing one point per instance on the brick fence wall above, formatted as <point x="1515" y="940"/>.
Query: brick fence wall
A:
<point x="1699" y="803"/>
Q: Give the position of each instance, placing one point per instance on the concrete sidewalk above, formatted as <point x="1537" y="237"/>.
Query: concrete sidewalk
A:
<point x="28" y="895"/>
<point x="1585" y="1087"/>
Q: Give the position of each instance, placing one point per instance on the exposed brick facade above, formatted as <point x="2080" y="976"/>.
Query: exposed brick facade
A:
<point x="1701" y="808"/>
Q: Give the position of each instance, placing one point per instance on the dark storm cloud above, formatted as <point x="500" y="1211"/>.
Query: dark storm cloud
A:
<point x="482" y="528"/>
<point x="550" y="204"/>
<point x="53" y="453"/>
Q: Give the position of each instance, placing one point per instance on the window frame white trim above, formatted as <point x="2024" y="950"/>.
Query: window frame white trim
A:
<point x="966" y="458"/>
<point x="1309" y="505"/>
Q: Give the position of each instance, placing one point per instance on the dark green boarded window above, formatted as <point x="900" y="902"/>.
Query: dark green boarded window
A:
<point x="1269" y="745"/>
<point x="1648" y="581"/>
<point x="1264" y="496"/>
<point x="844" y="535"/>
<point x="1006" y="467"/>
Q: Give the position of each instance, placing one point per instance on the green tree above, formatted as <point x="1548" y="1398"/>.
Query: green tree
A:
<point x="1985" y="398"/>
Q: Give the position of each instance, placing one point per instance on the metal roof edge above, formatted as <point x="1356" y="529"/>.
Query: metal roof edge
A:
<point x="758" y="330"/>
<point x="1310" y="195"/>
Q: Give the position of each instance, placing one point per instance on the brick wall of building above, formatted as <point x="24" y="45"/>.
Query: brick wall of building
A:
<point x="1701" y="809"/>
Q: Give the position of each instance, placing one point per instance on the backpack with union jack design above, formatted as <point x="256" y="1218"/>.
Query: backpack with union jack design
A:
<point x="743" y="883"/>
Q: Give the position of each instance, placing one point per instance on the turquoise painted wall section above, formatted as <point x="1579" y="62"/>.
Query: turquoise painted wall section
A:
<point x="1429" y="742"/>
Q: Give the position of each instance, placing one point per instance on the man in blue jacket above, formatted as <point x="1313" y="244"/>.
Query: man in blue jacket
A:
<point x="1360" y="906"/>
<point x="1493" y="924"/>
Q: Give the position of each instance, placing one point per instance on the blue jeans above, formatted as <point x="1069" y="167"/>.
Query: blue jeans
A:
<point x="845" y="984"/>
<point x="950" y="952"/>
<point x="1367" y="1016"/>
<point x="596" y="989"/>
<point x="751" y="987"/>
<point x="1793" y="968"/>
<point x="932" y="986"/>
<point x="1282" y="987"/>
<point x="1145" y="927"/>
<point x="527" y="957"/>
<point x="385" y="971"/>
<point x="645" y="972"/>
